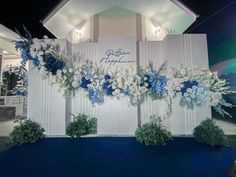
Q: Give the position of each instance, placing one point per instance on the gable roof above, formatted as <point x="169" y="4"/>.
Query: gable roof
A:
<point x="70" y="13"/>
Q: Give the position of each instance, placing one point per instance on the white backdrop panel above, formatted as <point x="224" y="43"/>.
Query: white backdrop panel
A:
<point x="45" y="104"/>
<point x="48" y="107"/>
<point x="114" y="116"/>
<point x="189" y="50"/>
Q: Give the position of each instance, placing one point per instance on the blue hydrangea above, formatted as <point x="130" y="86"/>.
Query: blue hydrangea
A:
<point x="188" y="84"/>
<point x="84" y="83"/>
<point x="52" y="64"/>
<point x="107" y="85"/>
<point x="156" y="84"/>
<point x="127" y="91"/>
<point x="193" y="93"/>
<point x="107" y="77"/>
<point x="95" y="96"/>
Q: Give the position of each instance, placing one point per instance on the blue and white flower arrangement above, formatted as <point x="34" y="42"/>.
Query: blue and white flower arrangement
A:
<point x="198" y="87"/>
<point x="155" y="82"/>
<point x="21" y="86"/>
<point x="195" y="87"/>
<point x="193" y="94"/>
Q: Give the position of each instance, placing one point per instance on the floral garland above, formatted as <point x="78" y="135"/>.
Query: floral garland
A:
<point x="196" y="87"/>
<point x="199" y="87"/>
<point x="22" y="79"/>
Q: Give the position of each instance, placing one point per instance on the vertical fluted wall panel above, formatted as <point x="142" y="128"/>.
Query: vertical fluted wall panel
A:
<point x="45" y="104"/>
<point x="80" y="102"/>
<point x="190" y="50"/>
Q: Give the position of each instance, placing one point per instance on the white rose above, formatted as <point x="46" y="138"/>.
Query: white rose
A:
<point x="41" y="53"/>
<point x="76" y="78"/>
<point x="70" y="70"/>
<point x="64" y="70"/>
<point x="41" y="63"/>
<point x="75" y="84"/>
<point x="40" y="58"/>
<point x="182" y="71"/>
<point x="217" y="96"/>
<point x="189" y="90"/>
<point x="214" y="102"/>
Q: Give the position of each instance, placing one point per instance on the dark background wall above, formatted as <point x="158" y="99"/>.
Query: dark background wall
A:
<point x="218" y="20"/>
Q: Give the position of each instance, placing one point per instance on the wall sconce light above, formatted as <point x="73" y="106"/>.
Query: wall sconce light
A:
<point x="157" y="30"/>
<point x="78" y="32"/>
<point x="5" y="52"/>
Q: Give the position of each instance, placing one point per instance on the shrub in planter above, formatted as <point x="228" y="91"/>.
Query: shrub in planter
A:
<point x="81" y="125"/>
<point x="27" y="131"/>
<point x="208" y="132"/>
<point x="153" y="133"/>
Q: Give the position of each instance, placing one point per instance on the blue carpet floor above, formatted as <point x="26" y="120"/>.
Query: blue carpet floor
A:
<point x="115" y="157"/>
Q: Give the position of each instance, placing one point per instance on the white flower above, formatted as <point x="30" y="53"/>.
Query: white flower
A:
<point x="182" y="71"/>
<point x="41" y="53"/>
<point x="75" y="84"/>
<point x="40" y="58"/>
<point x="70" y="70"/>
<point x="41" y="63"/>
<point x="217" y="96"/>
<point x="64" y="70"/>
<point x="189" y="90"/>
<point x="214" y="102"/>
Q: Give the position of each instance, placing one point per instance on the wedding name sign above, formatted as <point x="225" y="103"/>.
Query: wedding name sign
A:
<point x="118" y="56"/>
<point x="117" y="52"/>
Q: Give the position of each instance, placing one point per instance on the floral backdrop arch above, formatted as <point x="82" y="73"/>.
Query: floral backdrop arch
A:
<point x="196" y="87"/>
<point x="15" y="80"/>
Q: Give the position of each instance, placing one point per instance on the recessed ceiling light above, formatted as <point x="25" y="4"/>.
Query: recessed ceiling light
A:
<point x="5" y="52"/>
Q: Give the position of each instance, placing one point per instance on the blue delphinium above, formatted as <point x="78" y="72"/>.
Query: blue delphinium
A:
<point x="95" y="96"/>
<point x="24" y="45"/>
<point x="107" y="85"/>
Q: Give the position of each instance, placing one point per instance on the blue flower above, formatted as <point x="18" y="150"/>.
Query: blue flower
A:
<point x="107" y="88"/>
<point x="107" y="77"/>
<point x="84" y="83"/>
<point x="95" y="96"/>
<point x="188" y="84"/>
<point x="195" y="97"/>
<point x="53" y="64"/>
<point x="157" y="84"/>
<point x="147" y="81"/>
<point x="127" y="92"/>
